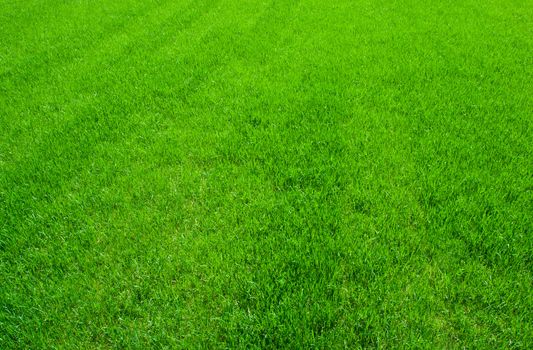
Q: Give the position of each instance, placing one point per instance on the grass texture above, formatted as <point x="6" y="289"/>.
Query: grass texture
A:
<point x="266" y="174"/>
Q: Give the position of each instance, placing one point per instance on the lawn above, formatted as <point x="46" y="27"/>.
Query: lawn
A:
<point x="227" y="174"/>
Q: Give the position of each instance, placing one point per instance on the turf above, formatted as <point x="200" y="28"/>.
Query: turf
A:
<point x="266" y="174"/>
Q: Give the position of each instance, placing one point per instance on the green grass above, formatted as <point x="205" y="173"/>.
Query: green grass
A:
<point x="266" y="174"/>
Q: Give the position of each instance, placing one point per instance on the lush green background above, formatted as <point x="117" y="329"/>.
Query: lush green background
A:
<point x="266" y="174"/>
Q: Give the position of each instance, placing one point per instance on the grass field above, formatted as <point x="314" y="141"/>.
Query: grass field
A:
<point x="266" y="174"/>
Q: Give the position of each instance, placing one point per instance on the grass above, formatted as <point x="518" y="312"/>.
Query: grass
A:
<point x="266" y="174"/>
